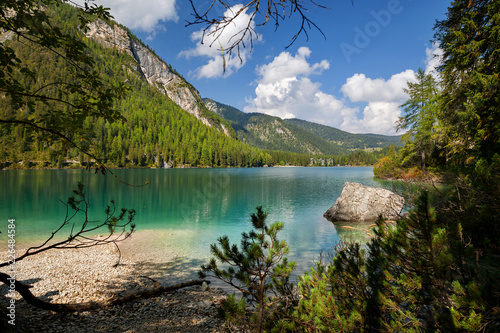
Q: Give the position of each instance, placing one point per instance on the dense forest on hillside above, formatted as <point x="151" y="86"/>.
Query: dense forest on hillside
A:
<point x="273" y="133"/>
<point x="154" y="130"/>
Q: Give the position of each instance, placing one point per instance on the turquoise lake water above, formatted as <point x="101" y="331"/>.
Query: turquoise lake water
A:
<point x="188" y="209"/>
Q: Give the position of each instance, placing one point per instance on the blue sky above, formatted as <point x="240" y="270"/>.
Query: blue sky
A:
<point x="352" y="80"/>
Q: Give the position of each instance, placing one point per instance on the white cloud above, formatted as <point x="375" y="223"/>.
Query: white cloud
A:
<point x="359" y="88"/>
<point x="286" y="66"/>
<point x="285" y="90"/>
<point x="297" y="98"/>
<point x="434" y="59"/>
<point x="378" y="118"/>
<point x="144" y="15"/>
<point x="383" y="98"/>
<point x="213" y="43"/>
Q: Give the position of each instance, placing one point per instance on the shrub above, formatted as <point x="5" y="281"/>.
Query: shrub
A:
<point x="387" y="168"/>
<point x="259" y="270"/>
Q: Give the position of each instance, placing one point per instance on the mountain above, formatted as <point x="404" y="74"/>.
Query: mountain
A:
<point x="300" y="136"/>
<point x="167" y="123"/>
<point x="345" y="139"/>
<point x="268" y="132"/>
<point x="155" y="71"/>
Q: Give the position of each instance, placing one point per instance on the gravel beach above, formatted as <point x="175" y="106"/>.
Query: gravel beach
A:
<point x="72" y="276"/>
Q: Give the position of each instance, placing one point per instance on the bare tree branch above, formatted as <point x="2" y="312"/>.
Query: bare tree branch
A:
<point x="260" y="14"/>
<point x="80" y="236"/>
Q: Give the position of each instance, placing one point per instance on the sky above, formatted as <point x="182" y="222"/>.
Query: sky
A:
<point x="350" y="75"/>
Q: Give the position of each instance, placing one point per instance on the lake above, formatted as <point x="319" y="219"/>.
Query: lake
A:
<point x="185" y="210"/>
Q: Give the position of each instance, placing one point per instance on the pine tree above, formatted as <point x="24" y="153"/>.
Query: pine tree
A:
<point x="411" y="279"/>
<point x="257" y="269"/>
<point x="470" y="40"/>
<point x="420" y="119"/>
<point x="333" y="293"/>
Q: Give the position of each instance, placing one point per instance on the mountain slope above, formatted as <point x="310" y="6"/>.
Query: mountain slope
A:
<point x="268" y="132"/>
<point x="345" y="139"/>
<point x="155" y="71"/>
<point x="166" y="121"/>
<point x="296" y="135"/>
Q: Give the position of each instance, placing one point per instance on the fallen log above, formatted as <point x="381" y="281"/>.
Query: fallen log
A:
<point x="25" y="292"/>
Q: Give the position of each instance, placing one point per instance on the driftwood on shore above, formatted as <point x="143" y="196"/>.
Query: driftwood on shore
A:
<point x="25" y="292"/>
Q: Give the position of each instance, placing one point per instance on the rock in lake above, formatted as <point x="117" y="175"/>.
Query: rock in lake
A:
<point x="363" y="203"/>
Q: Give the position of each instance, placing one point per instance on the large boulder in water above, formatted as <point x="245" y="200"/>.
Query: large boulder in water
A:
<point x="363" y="203"/>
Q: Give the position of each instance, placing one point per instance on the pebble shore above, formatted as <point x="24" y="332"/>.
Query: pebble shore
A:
<point x="82" y="275"/>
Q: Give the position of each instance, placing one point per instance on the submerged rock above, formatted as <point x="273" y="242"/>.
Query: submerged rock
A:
<point x="359" y="232"/>
<point x="363" y="203"/>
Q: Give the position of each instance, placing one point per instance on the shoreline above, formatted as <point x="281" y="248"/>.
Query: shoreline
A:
<point x="81" y="275"/>
<point x="434" y="180"/>
<point x="77" y="166"/>
<point x="151" y="247"/>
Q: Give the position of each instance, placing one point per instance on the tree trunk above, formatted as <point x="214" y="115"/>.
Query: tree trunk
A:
<point x="25" y="292"/>
<point x="424" y="169"/>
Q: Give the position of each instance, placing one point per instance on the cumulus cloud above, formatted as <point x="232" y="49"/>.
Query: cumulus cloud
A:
<point x="383" y="98"/>
<point x="359" y="88"/>
<point x="284" y="89"/>
<point x="144" y="15"/>
<point x="285" y="66"/>
<point x="377" y="118"/>
<point x="214" y="43"/>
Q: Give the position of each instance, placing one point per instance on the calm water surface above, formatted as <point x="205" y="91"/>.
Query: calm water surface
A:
<point x="188" y="208"/>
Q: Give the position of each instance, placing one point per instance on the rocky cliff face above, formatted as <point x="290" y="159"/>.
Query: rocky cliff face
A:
<point x="154" y="70"/>
<point x="212" y="106"/>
